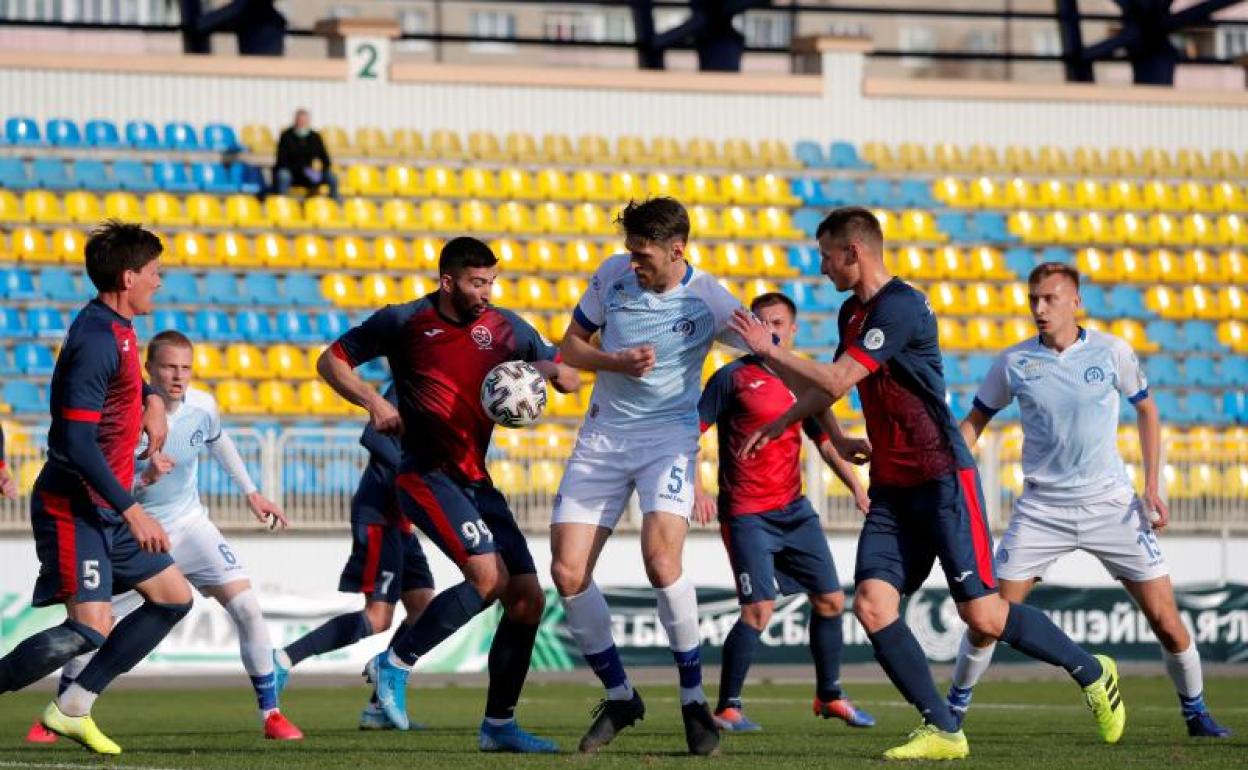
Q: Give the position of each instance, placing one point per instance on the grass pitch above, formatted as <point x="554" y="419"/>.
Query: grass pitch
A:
<point x="1015" y="725"/>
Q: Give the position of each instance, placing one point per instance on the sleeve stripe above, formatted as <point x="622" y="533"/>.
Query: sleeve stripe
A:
<point x="579" y="316"/>
<point x="860" y="355"/>
<point x="1138" y="397"/>
<point x="981" y="406"/>
<point x="341" y="354"/>
<point x="80" y="415"/>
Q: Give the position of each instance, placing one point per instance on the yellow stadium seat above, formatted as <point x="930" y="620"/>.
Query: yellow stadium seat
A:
<point x="1199" y="230"/>
<point x="372" y="141"/>
<point x="29" y="245"/>
<point x="988" y="262"/>
<point x="589" y="219"/>
<point x="315" y="397"/>
<point x="955" y="193"/>
<point x="517" y="184"/>
<point x="508" y="477"/>
<point x="1014" y="331"/>
<point x="950" y="262"/>
<point x="1157" y="162"/>
<point x="284" y="212"/>
<point x="949" y="157"/>
<point x="551" y="217"/>
<point x="438" y="216"/>
<point x="590" y="186"/>
<point x="361" y="214"/>
<point x="124" y="206"/>
<point x="1165" y="265"/>
<point x="756" y="287"/>
<point x="704" y="224"/>
<point x="1099" y="228"/>
<point x="313" y="251"/>
<point x="1054" y="194"/>
<point x="535" y="293"/>
<point x="83" y="207"/>
<point x="479" y="183"/>
<point x="1234" y="335"/>
<point x="774" y="153"/>
<point x="503" y="292"/>
<point x="340" y="290"/>
<point x="915" y="157"/>
<point x="1056" y="161"/>
<point x="247" y="362"/>
<point x="10" y="207"/>
<point x="1227" y="196"/>
<point x="1232" y="231"/>
<point x="582" y="257"/>
<point x="484" y="145"/>
<point x="738" y="153"/>
<point x="237" y="397"/>
<point x="732" y="259"/>
<point x="881" y="156"/>
<point x="772" y="261"/>
<point x="662" y="184"/>
<point x="399" y="214"/>
<point x="701" y="257"/>
<point x="553" y="184"/>
<point x="337" y="143"/>
<point x="408" y="143"/>
<point x="1162" y="229"/>
<point x="1021" y="160"/>
<point x="1028" y="227"/>
<point x="947" y="297"/>
<point x="739" y="222"/>
<point x="235" y="250"/>
<point x="1192" y="162"/>
<point x="1225" y="164"/>
<point x="951" y="334"/>
<point x="980" y="299"/>
<point x="520" y="147"/>
<point x="164" y="209"/>
<point x="351" y="252"/>
<point x="626" y="186"/>
<point x="206" y="211"/>
<point x="557" y="148"/>
<point x="512" y="257"/>
<point x="413" y="287"/>
<point x="595" y="150"/>
<point x="1160" y="196"/>
<point x="443" y="182"/>
<point x="1132" y="332"/>
<point x="544" y="476"/>
<point x="192" y="249"/>
<point x="1203" y="266"/>
<point x="996" y="194"/>
<point x="1132" y="264"/>
<point x="517" y="218"/>
<point x="67" y="245"/>
<point x="407" y="181"/>
<point x="257" y="139"/>
<point x="277" y="397"/>
<point x="1095" y="195"/>
<point x="702" y="152"/>
<point x="738" y="189"/>
<point x="446" y="145"/>
<point x="547" y="257"/>
<point x="208" y="362"/>
<point x="1096" y="265"/>
<point x="984" y="157"/>
<point x="557" y="325"/>
<point x="1164" y="301"/>
<point x="275" y="251"/>
<point x="700" y="188"/>
<point x="919" y="225"/>
<point x="890" y="224"/>
<point x="568" y="291"/>
<point x="1014" y="299"/>
<point x="377" y="290"/>
<point x="1125" y="195"/>
<point x="425" y="253"/>
<point x="632" y="151"/>
<point x="775" y="222"/>
<point x="366" y="180"/>
<point x="1232" y="303"/>
<point x="41" y="206"/>
<point x="911" y="262"/>
<point x="245" y="211"/>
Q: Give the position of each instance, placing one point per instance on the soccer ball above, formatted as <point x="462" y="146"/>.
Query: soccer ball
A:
<point x="513" y="394"/>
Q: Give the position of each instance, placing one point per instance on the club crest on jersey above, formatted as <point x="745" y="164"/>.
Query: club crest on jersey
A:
<point x="1093" y="374"/>
<point x="684" y="327"/>
<point x="483" y="337"/>
<point x="197" y="438"/>
<point x="873" y="339"/>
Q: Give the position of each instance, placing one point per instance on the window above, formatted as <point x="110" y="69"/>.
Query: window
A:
<point x="1230" y="42"/>
<point x="765" y="30"/>
<point x="619" y="27"/>
<point x="983" y="40"/>
<point x="413" y="21"/>
<point x="492" y="25"/>
<point x="572" y="25"/>
<point x="916" y="39"/>
<point x="1046" y="41"/>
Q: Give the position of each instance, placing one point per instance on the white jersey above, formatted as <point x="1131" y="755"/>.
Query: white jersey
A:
<point x="681" y="323"/>
<point x="194" y="425"/>
<point x="1069" y="405"/>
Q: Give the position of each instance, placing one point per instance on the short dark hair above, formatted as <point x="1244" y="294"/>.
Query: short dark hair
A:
<point x="1045" y="269"/>
<point x="773" y="298"/>
<point x="169" y="338"/>
<point x="655" y="220"/>
<point x="852" y="222"/>
<point x="115" y="247"/>
<point x="464" y="252"/>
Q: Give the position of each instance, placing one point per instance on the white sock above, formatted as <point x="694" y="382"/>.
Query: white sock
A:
<point x="678" y="612"/>
<point x="972" y="663"/>
<point x="75" y="701"/>
<point x="1184" y="670"/>
<point x="254" y="645"/>
<point x="499" y="722"/>
<point x="589" y="620"/>
<point x="74" y="667"/>
<point x="395" y="660"/>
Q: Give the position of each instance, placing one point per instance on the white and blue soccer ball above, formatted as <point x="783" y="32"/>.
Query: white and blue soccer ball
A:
<point x="513" y="394"/>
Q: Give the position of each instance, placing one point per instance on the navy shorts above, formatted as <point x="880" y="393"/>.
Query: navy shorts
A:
<point x="83" y="555"/>
<point x="386" y="558"/>
<point x="910" y="527"/>
<point x="464" y="520"/>
<point x="783" y="550"/>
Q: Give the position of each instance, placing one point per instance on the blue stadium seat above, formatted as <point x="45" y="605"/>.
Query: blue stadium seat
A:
<point x="132" y="175"/>
<point x="805" y="259"/>
<point x="332" y="325"/>
<point x="25" y="397"/>
<point x="1168" y="404"/>
<point x="11" y="323"/>
<point x="1020" y="260"/>
<point x="144" y="326"/>
<point x="375" y="370"/>
<point x="249" y="179"/>
<point x="1235" y="406"/>
<point x="1128" y="302"/>
<point x="7" y="369"/>
<point x="22" y="130"/>
<point x="1235" y="371"/>
<point x="45" y="322"/>
<point x="219" y="137"/>
<point x="302" y="289"/>
<point x="63" y="133"/>
<point x="171" y="176"/>
<point x="828" y="298"/>
<point x="180" y="288"/>
<point x="214" y="325"/>
<point x="1057" y="254"/>
<point x="141" y="135"/>
<point x="92" y="174"/>
<point x="809" y="190"/>
<point x="52" y="174"/>
<point x="802" y="293"/>
<point x="880" y="192"/>
<point x="220" y="287"/>
<point x="990" y="226"/>
<point x="956" y="225"/>
<point x="1200" y="336"/>
<point x="58" y="285"/>
<point x="916" y="193"/>
<point x="845" y="155"/>
<point x="977" y="366"/>
<point x="13" y="174"/>
<point x="213" y="178"/>
<point x="261" y="289"/>
<point x="255" y="326"/>
<point x="295" y="326"/>
<point x="807" y="220"/>
<point x="810" y="154"/>
<point x="1094" y="301"/>
<point x="17" y="283"/>
<point x="103" y="133"/>
<point x="33" y="359"/>
<point x="955" y="372"/>
<point x="842" y="192"/>
<point x="181" y="136"/>
<point x="1200" y="406"/>
<point x="809" y="333"/>
<point x="1164" y="333"/>
<point x="177" y="320"/>
<point x="1163" y="371"/>
<point x="1201" y="371"/>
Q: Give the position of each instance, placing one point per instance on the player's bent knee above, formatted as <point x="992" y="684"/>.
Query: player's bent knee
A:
<point x="488" y="575"/>
<point x="663" y="569"/>
<point x="415" y="602"/>
<point x="570" y="579"/>
<point x="985" y="617"/>
<point x="527" y="606"/>
<point x="380" y="615"/>
<point x="828" y="605"/>
<point x="98" y="616"/>
<point x="874" y="610"/>
<point x="758" y="614"/>
<point x="167" y="587"/>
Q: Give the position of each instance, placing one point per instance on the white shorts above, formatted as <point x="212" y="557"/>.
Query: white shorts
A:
<point x="604" y="470"/>
<point x="1116" y="531"/>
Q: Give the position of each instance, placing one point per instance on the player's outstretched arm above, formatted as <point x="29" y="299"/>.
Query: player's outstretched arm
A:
<point x="577" y="351"/>
<point x="340" y="375"/>
<point x="972" y="426"/>
<point x="845" y="472"/>
<point x="155" y="423"/>
<point x="834" y="380"/>
<point x="1148" y="419"/>
<point x="562" y="377"/>
<point x="851" y="449"/>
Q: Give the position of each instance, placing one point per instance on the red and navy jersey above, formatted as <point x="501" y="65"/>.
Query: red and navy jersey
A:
<point x="438" y="367"/>
<point x="914" y="437"/>
<point x="740" y="398"/>
<point x="97" y="405"/>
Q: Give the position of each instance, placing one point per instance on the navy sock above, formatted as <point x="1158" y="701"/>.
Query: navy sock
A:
<point x="826" y="642"/>
<point x="445" y="615"/>
<point x="608" y="666"/>
<point x="131" y="640"/>
<point x="688" y="667"/>
<point x="1193" y="706"/>
<point x="1030" y="631"/>
<point x="903" y="660"/>
<point x="266" y="691"/>
<point x="41" y="654"/>
<point x="510" y="654"/>
<point x="333" y="634"/>
<point x="737" y="656"/>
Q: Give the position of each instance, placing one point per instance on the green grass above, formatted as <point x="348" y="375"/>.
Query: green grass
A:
<point x="1013" y="725"/>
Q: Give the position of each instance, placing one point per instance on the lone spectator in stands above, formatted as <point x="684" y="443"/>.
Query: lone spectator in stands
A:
<point x="302" y="159"/>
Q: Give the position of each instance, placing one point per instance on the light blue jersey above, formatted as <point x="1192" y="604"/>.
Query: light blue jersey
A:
<point x="681" y="323"/>
<point x="194" y="425"/>
<point x="1069" y="405"/>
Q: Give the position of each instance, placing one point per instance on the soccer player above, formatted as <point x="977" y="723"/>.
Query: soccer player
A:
<point x="926" y="501"/>
<point x="658" y="317"/>
<point x="386" y="565"/>
<point x="440" y="348"/>
<point x="773" y="535"/>
<point x="1077" y="494"/>
<point x="91" y="536"/>
<point x="168" y="488"/>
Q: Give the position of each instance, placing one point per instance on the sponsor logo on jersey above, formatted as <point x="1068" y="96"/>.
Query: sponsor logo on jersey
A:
<point x="1033" y="369"/>
<point x="483" y="337"/>
<point x="756" y="384"/>
<point x="197" y="438"/>
<point x="1003" y="555"/>
<point x="684" y="327"/>
<point x="873" y="339"/>
<point x="433" y="332"/>
<point x="125" y="345"/>
<point x="1093" y="374"/>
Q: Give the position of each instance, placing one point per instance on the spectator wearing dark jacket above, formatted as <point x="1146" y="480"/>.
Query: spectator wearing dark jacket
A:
<point x="299" y="151"/>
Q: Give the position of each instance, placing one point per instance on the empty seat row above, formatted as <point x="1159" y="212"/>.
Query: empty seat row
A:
<point x="1162" y="265"/>
<point x="133" y="175"/>
<point x="1092" y="194"/>
<point x="1129" y="229"/>
<point x="887" y="193"/>
<point x="136" y="134"/>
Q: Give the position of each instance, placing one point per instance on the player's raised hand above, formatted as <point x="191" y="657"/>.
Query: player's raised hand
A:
<point x="8" y="487"/>
<point x="757" y="337"/>
<point x="147" y="531"/>
<point x="704" y="507"/>
<point x="1157" y="510"/>
<point x="155" y="426"/>
<point x="267" y="512"/>
<point x="761" y="438"/>
<point x="636" y="362"/>
<point x="854" y="450"/>
<point x="385" y="417"/>
<point x="158" y="465"/>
